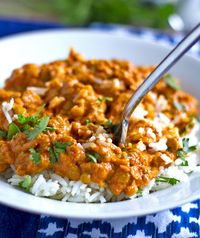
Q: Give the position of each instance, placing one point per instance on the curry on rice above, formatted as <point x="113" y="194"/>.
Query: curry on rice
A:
<point x="61" y="117"/>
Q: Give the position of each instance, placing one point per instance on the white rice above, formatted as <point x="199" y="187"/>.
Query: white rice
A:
<point x="51" y="185"/>
<point x="160" y="145"/>
<point x="40" y="91"/>
<point x="48" y="184"/>
<point x="6" y="108"/>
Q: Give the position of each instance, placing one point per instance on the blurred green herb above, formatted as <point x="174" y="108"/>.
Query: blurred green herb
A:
<point x="110" y="126"/>
<point x="13" y="129"/>
<point x="162" y="179"/>
<point x="171" y="82"/>
<point x="104" y="99"/>
<point x="189" y="125"/>
<point x="136" y="12"/>
<point x="182" y="153"/>
<point x="34" y="156"/>
<point x="139" y="191"/>
<point x="198" y="118"/>
<point x="48" y="128"/>
<point x="87" y="122"/>
<point x="93" y="157"/>
<point x="26" y="183"/>
<point x="38" y="128"/>
<point x="24" y="120"/>
<point x="3" y="134"/>
<point x="57" y="148"/>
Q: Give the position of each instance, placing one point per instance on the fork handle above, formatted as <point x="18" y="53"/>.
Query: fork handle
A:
<point x="161" y="69"/>
<point x="156" y="75"/>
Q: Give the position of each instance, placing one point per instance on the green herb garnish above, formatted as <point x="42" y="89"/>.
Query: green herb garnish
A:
<point x="104" y="99"/>
<point x="182" y="153"/>
<point x="60" y="147"/>
<point x="54" y="156"/>
<point x="184" y="163"/>
<point x="26" y="127"/>
<point x="171" y="82"/>
<point x="24" y="120"/>
<point x="139" y="191"/>
<point x="186" y="147"/>
<point x="109" y="125"/>
<point x="162" y="179"/>
<point x="87" y="122"/>
<point x="48" y="128"/>
<point x="94" y="157"/>
<point x="41" y="109"/>
<point x="198" y="118"/>
<point x="41" y="126"/>
<point x="57" y="148"/>
<point x="13" y="129"/>
<point x="35" y="156"/>
<point x="30" y="120"/>
<point x="3" y="134"/>
<point x="26" y="183"/>
<point x="186" y="128"/>
<point x="34" y="125"/>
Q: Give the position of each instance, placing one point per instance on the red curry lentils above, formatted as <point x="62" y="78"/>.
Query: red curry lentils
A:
<point x="61" y="116"/>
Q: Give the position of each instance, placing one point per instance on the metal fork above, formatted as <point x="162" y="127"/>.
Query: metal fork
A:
<point x="152" y="79"/>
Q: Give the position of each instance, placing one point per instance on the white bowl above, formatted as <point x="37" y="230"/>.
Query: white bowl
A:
<point x="45" y="46"/>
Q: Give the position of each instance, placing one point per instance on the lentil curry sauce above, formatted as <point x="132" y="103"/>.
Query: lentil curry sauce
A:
<point x="63" y="115"/>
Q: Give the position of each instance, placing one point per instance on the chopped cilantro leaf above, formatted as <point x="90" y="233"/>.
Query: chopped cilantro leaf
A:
<point x="171" y="82"/>
<point x="48" y="128"/>
<point x="185" y="144"/>
<point x="198" y="118"/>
<point x="13" y="129"/>
<point x="139" y="191"/>
<point x="187" y="127"/>
<point x="41" y="109"/>
<point x="24" y="120"/>
<point x="41" y="126"/>
<point x="94" y="157"/>
<point x="184" y="163"/>
<point x="104" y="99"/>
<point x="109" y="125"/>
<point x="30" y="120"/>
<point x="34" y="156"/>
<point x="182" y="153"/>
<point x="162" y="179"/>
<point x="57" y="148"/>
<point x="53" y="155"/>
<point x="26" y="183"/>
<point x="192" y="148"/>
<point x="60" y="147"/>
<point x="186" y="147"/>
<point x="3" y="134"/>
<point x="26" y="127"/>
<point x="87" y="122"/>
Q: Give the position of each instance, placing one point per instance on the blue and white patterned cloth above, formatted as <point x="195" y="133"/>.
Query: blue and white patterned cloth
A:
<point x="181" y="222"/>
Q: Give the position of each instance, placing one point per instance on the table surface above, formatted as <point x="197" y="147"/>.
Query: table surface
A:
<point x="181" y="222"/>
